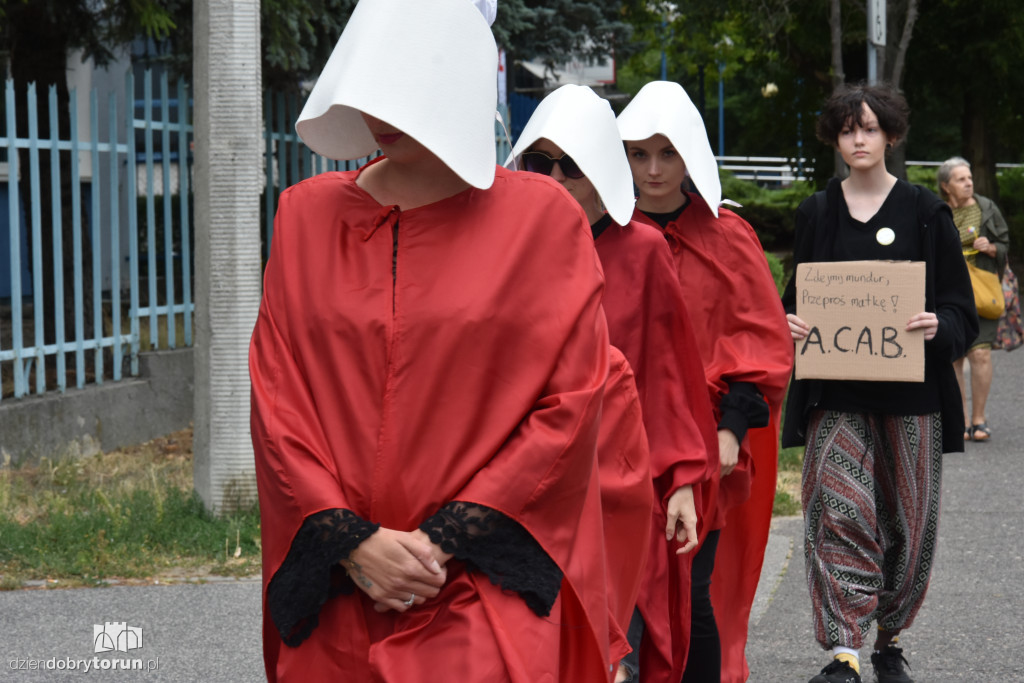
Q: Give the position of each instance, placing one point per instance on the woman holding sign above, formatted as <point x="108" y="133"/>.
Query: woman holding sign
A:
<point x="873" y="463"/>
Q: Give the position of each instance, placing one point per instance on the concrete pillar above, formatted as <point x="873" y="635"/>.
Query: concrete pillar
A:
<point x="228" y="179"/>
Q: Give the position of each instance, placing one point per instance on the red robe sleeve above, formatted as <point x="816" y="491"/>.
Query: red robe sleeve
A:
<point x="743" y="335"/>
<point x="406" y="359"/>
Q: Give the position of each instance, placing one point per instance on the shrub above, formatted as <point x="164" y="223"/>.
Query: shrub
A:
<point x="778" y="271"/>
<point x="770" y="212"/>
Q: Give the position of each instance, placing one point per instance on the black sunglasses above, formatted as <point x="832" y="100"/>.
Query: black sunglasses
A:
<point x="539" y="162"/>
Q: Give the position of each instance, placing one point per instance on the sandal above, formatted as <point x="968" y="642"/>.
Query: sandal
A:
<point x="981" y="433"/>
<point x="968" y="433"/>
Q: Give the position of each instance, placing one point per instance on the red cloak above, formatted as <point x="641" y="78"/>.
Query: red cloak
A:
<point x="474" y="373"/>
<point x="743" y="337"/>
<point x="647" y="320"/>
<point x="627" y="496"/>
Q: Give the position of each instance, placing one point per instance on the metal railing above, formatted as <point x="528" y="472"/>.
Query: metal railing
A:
<point x="769" y="170"/>
<point x="124" y="211"/>
<point x="93" y="321"/>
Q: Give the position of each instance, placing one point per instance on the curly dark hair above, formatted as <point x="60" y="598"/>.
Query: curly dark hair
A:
<point x="845" y="106"/>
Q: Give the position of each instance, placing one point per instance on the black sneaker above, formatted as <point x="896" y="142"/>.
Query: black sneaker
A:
<point x="837" y="672"/>
<point x="888" y="665"/>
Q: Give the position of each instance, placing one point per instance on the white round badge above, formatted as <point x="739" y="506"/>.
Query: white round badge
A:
<point x="885" y="236"/>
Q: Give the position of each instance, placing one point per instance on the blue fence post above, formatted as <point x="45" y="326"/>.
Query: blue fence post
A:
<point x="269" y="196"/>
<point x="115" y="242"/>
<point x="184" y="158"/>
<point x="165" y="158"/>
<point x="282" y="146"/>
<point x="154" y="325"/>
<point x="76" y="245"/>
<point x="97" y="253"/>
<point x="38" y="306"/>
<point x="14" y="217"/>
<point x="57" y="228"/>
<point x="133" y="225"/>
<point x="288" y="134"/>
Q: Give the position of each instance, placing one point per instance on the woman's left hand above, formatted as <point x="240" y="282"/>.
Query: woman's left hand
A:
<point x="928" y="322"/>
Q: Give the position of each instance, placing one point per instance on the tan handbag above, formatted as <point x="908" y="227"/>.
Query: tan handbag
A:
<point x="988" y="292"/>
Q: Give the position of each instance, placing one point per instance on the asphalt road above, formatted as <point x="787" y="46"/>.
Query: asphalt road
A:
<point x="968" y="630"/>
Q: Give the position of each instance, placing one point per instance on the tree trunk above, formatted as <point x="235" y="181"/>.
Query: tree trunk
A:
<point x="228" y="167"/>
<point x="977" y="145"/>
<point x="896" y="76"/>
<point x="835" y="23"/>
<point x="896" y="161"/>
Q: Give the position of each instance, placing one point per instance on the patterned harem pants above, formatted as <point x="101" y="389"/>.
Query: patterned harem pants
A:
<point x="871" y="511"/>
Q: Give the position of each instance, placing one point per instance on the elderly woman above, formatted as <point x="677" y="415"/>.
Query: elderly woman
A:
<point x="428" y="368"/>
<point x="985" y="239"/>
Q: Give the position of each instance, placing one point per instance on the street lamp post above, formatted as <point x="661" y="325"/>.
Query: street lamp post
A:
<point x="721" y="109"/>
<point x="723" y="46"/>
<point x="668" y="14"/>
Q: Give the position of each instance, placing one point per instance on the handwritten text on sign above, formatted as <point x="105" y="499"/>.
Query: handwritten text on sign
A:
<point x="858" y="313"/>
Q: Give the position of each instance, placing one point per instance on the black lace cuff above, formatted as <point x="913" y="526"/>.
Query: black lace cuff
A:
<point x="310" y="575"/>
<point x="489" y="542"/>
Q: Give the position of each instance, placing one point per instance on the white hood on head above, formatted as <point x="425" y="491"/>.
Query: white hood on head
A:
<point x="427" y="68"/>
<point x="663" y="107"/>
<point x="583" y="125"/>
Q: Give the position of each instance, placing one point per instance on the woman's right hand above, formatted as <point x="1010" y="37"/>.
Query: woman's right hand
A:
<point x="682" y="519"/>
<point x="390" y="566"/>
<point x="798" y="329"/>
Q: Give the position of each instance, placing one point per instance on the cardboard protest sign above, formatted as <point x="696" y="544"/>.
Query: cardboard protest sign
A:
<point x="858" y="313"/>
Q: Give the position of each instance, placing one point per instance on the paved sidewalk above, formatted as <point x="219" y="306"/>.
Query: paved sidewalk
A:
<point x="968" y="630"/>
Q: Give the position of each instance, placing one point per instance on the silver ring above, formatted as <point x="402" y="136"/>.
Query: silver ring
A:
<point x="408" y="603"/>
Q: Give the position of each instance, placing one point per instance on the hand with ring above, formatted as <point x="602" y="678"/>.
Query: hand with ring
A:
<point x="391" y="564"/>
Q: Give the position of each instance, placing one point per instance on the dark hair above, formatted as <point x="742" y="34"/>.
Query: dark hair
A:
<point x="846" y="106"/>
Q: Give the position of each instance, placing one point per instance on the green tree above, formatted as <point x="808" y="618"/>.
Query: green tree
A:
<point x="297" y="37"/>
<point x="553" y="30"/>
<point x="965" y="85"/>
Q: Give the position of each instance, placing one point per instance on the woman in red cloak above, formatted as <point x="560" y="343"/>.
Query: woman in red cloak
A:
<point x="734" y="304"/>
<point x="427" y="370"/>
<point x="572" y="137"/>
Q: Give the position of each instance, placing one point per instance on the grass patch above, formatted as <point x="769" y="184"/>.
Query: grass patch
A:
<point x="787" y="486"/>
<point x="127" y="515"/>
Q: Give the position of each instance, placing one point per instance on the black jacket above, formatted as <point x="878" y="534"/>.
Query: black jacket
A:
<point x="948" y="294"/>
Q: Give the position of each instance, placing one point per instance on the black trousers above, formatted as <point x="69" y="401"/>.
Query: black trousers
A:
<point x="704" y="661"/>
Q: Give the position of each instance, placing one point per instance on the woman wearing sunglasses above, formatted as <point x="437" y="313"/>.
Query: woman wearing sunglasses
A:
<point x="424" y="409"/>
<point x="572" y="137"/>
<point x="747" y="354"/>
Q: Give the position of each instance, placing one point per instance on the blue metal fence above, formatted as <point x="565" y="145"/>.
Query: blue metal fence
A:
<point x="23" y="350"/>
<point x="103" y="226"/>
<point x="130" y="224"/>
